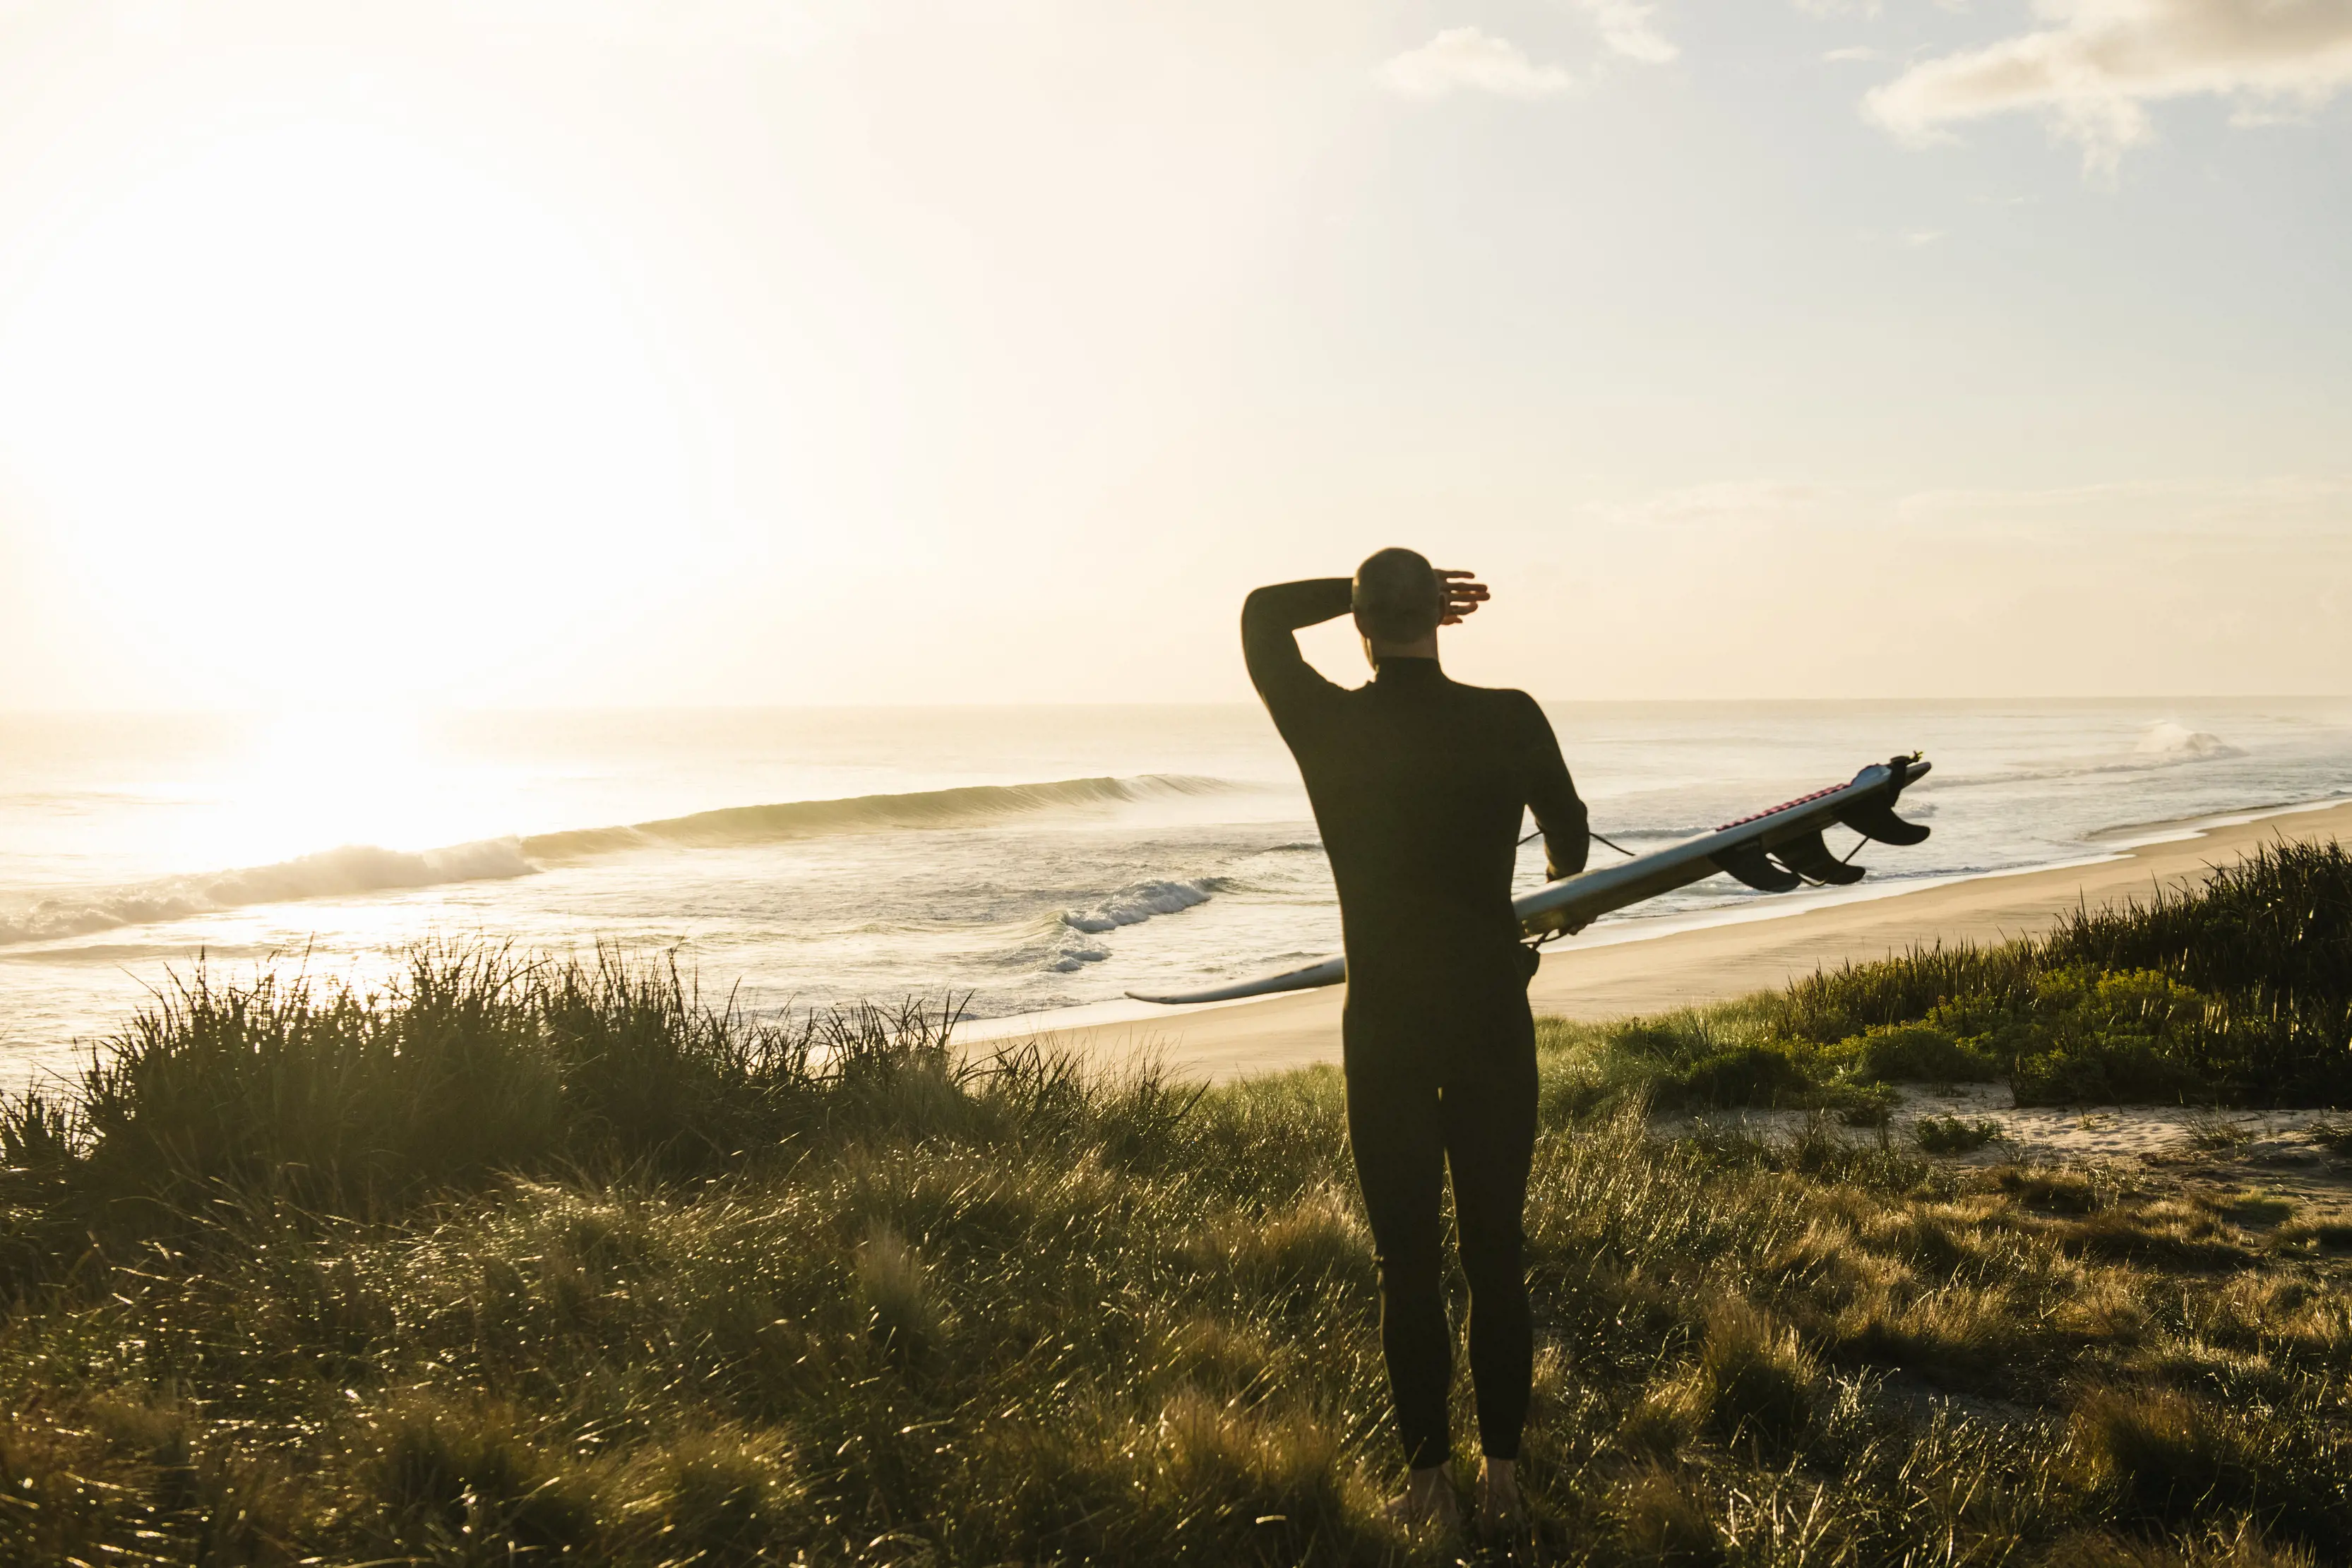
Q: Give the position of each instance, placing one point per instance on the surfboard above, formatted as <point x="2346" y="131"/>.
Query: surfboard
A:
<point x="1773" y="851"/>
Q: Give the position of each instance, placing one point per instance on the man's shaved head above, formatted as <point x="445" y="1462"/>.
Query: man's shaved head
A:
<point x="1395" y="596"/>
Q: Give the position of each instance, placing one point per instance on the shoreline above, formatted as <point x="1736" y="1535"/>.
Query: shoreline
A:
<point x="1692" y="965"/>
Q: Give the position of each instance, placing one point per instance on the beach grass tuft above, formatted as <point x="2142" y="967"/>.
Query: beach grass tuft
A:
<point x="1954" y="1135"/>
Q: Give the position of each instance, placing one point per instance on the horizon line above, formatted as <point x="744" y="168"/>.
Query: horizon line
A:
<point x="459" y="710"/>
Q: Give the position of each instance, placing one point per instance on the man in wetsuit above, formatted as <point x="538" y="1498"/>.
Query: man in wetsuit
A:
<point x="1418" y="784"/>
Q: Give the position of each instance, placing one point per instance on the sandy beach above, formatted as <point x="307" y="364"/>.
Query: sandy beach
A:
<point x="1603" y="978"/>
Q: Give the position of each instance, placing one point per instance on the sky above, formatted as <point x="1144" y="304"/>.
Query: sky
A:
<point x="638" y="352"/>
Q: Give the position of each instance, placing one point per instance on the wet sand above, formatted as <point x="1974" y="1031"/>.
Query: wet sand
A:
<point x="1601" y="978"/>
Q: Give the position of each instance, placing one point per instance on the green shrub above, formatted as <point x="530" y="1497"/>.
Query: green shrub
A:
<point x="1951" y="1136"/>
<point x="2079" y="1035"/>
<point x="1761" y="1075"/>
<point x="1860" y="1105"/>
<point x="1916" y="1054"/>
<point x="2105" y="1072"/>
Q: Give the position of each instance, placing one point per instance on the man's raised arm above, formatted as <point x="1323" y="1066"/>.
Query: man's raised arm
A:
<point x="1284" y="678"/>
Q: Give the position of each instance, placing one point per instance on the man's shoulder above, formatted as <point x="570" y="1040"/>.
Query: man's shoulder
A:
<point x="1503" y="710"/>
<point x="1495" y="697"/>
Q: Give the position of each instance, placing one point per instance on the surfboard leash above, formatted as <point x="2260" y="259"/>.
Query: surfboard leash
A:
<point x="1588" y="833"/>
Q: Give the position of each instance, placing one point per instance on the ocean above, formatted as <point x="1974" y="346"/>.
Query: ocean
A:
<point x="1024" y="860"/>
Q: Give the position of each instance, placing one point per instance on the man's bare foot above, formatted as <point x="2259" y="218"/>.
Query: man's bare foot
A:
<point x="1499" y="1495"/>
<point x="1428" y="1498"/>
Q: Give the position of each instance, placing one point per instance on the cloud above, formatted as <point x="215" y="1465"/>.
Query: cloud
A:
<point x="1625" y="29"/>
<point x="1852" y="52"/>
<point x="2094" y="70"/>
<point x="1472" y="60"/>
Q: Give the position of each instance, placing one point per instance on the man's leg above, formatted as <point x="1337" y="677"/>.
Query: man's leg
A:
<point x="1393" y="1130"/>
<point x="1489" y="1118"/>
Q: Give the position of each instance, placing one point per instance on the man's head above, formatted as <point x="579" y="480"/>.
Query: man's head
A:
<point x="1397" y="602"/>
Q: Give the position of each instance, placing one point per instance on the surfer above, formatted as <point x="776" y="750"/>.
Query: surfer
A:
<point x="1418" y="784"/>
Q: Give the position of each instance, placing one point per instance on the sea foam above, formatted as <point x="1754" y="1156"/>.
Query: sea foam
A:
<point x="1134" y="905"/>
<point x="2179" y="742"/>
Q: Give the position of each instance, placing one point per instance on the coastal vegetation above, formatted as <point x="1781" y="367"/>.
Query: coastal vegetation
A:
<point x="532" y="1261"/>
<point x="2234" y="992"/>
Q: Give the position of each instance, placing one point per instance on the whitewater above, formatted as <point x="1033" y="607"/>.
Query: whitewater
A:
<point x="1023" y="860"/>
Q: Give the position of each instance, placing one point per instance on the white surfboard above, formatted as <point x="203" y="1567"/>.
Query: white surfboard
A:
<point x="1773" y="851"/>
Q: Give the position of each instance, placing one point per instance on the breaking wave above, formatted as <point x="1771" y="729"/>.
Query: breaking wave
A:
<point x="2173" y="741"/>
<point x="1130" y="906"/>
<point x="354" y="869"/>
<point x="1134" y="906"/>
<point x="361" y="868"/>
<point x="968" y="806"/>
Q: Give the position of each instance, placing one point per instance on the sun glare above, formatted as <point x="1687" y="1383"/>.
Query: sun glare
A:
<point x="318" y="778"/>
<point x="325" y="414"/>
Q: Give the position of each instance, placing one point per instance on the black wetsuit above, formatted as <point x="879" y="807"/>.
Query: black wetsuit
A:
<point x="1418" y="784"/>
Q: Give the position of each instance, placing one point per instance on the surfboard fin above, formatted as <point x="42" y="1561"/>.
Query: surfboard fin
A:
<point x="1876" y="819"/>
<point x="1810" y="858"/>
<point x="1751" y="865"/>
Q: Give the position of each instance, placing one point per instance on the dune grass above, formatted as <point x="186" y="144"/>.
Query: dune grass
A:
<point x="523" y="1262"/>
<point x="2234" y="992"/>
